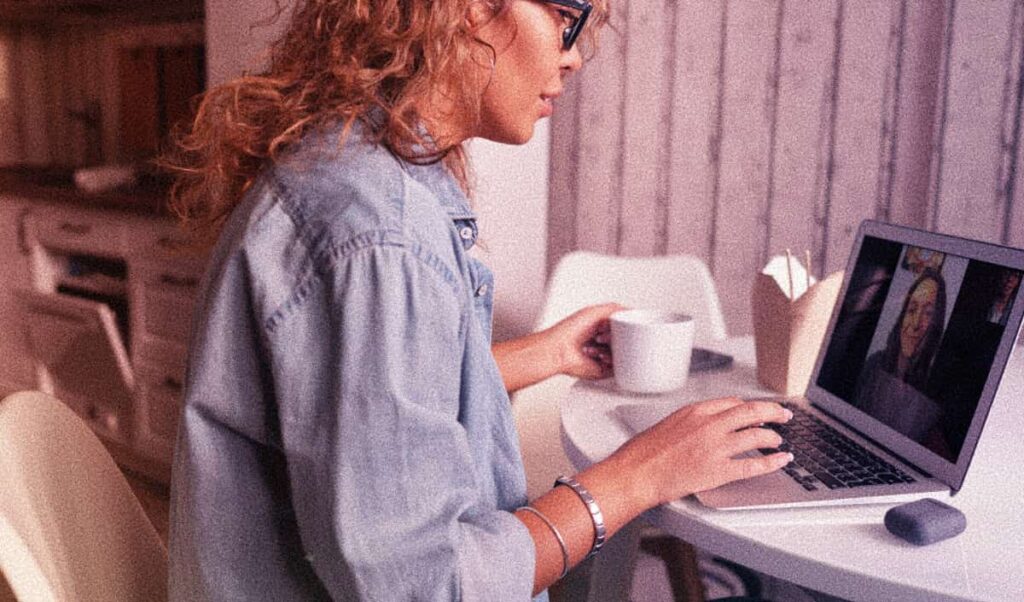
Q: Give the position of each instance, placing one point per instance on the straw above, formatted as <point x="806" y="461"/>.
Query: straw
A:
<point x="789" y="270"/>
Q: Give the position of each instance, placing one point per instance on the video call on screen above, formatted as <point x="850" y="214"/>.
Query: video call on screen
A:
<point x="915" y="339"/>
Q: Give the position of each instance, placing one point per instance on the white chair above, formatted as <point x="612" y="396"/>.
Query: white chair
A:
<point x="673" y="282"/>
<point x="70" y="527"/>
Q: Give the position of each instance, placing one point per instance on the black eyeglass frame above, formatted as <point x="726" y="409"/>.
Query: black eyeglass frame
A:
<point x="569" y="34"/>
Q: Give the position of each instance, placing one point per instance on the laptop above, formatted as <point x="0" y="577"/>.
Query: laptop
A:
<point x="907" y="372"/>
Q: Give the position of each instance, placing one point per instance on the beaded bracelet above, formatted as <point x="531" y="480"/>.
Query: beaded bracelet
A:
<point x="600" y="531"/>
<point x="558" y="536"/>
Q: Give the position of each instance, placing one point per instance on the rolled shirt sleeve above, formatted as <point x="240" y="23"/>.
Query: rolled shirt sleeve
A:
<point x="388" y="494"/>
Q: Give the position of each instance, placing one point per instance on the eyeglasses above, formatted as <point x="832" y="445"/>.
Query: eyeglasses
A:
<point x="576" y="21"/>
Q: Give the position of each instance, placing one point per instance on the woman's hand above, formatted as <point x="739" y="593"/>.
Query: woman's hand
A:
<point x="576" y="346"/>
<point x="584" y="340"/>
<point x="695" y="448"/>
<point x="691" y="450"/>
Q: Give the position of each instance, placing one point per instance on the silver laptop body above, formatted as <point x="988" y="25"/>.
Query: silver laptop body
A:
<point x="915" y="392"/>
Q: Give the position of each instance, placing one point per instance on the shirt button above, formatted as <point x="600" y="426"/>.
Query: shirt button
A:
<point x="466" y="233"/>
<point x="483" y="290"/>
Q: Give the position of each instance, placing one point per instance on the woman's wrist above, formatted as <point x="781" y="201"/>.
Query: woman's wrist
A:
<point x="618" y="489"/>
<point x="527" y="360"/>
<point x="561" y="351"/>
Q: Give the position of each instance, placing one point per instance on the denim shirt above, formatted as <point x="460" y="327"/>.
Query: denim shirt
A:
<point x="346" y="433"/>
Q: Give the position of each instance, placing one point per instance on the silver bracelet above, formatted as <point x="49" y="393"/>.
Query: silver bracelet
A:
<point x="600" y="531"/>
<point x="558" y="536"/>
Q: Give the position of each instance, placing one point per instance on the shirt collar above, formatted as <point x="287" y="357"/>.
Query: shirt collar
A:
<point x="434" y="176"/>
<point x="439" y="181"/>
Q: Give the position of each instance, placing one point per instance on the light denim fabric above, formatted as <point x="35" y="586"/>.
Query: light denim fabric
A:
<point x="346" y="434"/>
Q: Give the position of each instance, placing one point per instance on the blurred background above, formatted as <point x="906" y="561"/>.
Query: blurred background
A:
<point x="730" y="130"/>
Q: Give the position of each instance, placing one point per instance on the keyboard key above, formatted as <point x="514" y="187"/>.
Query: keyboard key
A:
<point x="829" y="481"/>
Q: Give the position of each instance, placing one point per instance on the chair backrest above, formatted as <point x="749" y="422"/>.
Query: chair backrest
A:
<point x="671" y="282"/>
<point x="70" y="527"/>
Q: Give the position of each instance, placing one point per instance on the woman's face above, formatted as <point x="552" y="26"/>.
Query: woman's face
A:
<point x="1010" y="282"/>
<point x="529" y="68"/>
<point x="918" y="317"/>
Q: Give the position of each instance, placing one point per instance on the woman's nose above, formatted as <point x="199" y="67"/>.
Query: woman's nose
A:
<point x="572" y="60"/>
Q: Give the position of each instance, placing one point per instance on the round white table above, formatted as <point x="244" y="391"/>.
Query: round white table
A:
<point x="841" y="551"/>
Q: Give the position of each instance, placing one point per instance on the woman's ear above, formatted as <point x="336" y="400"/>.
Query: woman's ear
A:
<point x="479" y="12"/>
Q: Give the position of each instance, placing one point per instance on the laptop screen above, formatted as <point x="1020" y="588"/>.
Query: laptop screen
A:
<point x="916" y="337"/>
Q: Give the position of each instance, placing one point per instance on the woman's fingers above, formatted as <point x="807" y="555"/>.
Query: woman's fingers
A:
<point x="582" y="338"/>
<point x="752" y="438"/>
<point x="753" y="413"/>
<point x="708" y="407"/>
<point x="755" y="466"/>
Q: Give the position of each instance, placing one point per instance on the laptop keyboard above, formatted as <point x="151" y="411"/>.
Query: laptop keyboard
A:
<point x="825" y="457"/>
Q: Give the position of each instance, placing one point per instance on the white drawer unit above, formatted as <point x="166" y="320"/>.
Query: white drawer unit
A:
<point x="165" y="296"/>
<point x="107" y="321"/>
<point x="160" y="381"/>
<point x="81" y="359"/>
<point x="59" y="227"/>
<point x="163" y="240"/>
<point x="17" y="371"/>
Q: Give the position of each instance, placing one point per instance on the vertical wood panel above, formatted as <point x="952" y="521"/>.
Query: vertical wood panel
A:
<point x="1015" y="220"/>
<point x="920" y="75"/>
<point x="138" y="85"/>
<point x="9" y="143"/>
<point x="31" y="84"/>
<point x="864" y="33"/>
<point x="95" y="80"/>
<point x="890" y="114"/>
<point x="53" y="81"/>
<point x="75" y="97"/>
<point x="1013" y="233"/>
<point x="642" y="210"/>
<point x="802" y="125"/>
<point x="182" y="80"/>
<point x="747" y="108"/>
<point x="968" y="203"/>
<point x="1013" y="95"/>
<point x="598" y="182"/>
<point x="563" y="202"/>
<point x="91" y="80"/>
<point x="693" y="155"/>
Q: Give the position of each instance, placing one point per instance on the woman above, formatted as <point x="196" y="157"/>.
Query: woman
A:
<point x="347" y="431"/>
<point x="893" y="382"/>
<point x="1006" y="287"/>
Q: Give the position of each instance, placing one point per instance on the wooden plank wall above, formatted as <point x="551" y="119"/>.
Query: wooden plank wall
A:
<point x="733" y="130"/>
<point x="61" y="99"/>
<point x="55" y="83"/>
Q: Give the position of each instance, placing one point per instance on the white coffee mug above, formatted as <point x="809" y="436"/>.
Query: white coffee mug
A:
<point x="651" y="349"/>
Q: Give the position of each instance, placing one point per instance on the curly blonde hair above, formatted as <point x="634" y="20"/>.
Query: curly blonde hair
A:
<point x="337" y="61"/>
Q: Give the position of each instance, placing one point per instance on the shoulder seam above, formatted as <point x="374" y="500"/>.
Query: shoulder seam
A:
<point x="331" y="253"/>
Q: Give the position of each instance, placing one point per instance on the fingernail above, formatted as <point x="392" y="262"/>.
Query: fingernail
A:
<point x="788" y="414"/>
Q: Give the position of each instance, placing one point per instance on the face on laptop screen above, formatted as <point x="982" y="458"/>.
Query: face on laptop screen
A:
<point x="915" y="339"/>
